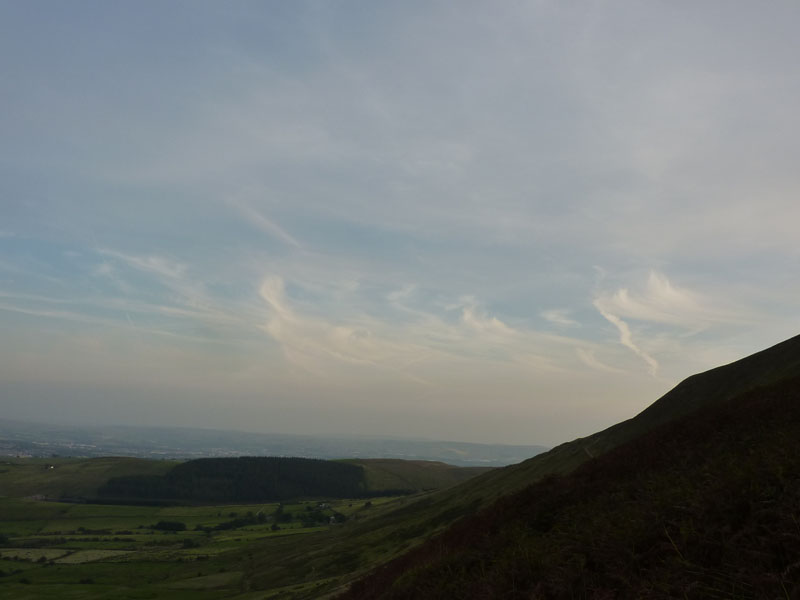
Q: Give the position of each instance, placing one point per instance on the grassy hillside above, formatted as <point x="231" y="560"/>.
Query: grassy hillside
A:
<point x="84" y="477"/>
<point x="416" y="475"/>
<point x="702" y="507"/>
<point x="357" y="548"/>
<point x="74" y="477"/>
<point x="712" y="387"/>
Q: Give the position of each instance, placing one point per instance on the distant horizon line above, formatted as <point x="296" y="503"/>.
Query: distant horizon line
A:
<point x="333" y="436"/>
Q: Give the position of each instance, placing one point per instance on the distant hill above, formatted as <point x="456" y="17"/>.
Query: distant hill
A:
<point x="21" y="438"/>
<point x="222" y="480"/>
<point x="695" y="497"/>
<point x="70" y="477"/>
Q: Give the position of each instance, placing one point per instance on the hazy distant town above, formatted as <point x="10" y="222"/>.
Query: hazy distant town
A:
<point x="19" y="438"/>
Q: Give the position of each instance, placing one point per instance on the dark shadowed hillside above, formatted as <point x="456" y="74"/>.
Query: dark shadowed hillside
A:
<point x="413" y="475"/>
<point x="706" y="506"/>
<point x="354" y="550"/>
<point x="715" y="386"/>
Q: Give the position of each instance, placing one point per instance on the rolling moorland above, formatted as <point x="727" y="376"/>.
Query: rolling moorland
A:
<point x="698" y="496"/>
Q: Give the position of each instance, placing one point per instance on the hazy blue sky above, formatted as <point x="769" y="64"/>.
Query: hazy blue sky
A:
<point x="481" y="221"/>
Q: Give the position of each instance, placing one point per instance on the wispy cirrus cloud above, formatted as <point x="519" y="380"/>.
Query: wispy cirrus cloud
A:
<point x="189" y="300"/>
<point x="319" y="346"/>
<point x="485" y="325"/>
<point x="660" y="301"/>
<point x="626" y="339"/>
<point x="161" y="266"/>
<point x="656" y="313"/>
<point x="421" y="202"/>
<point x="261" y="222"/>
<point x="559" y="316"/>
<point x="79" y="316"/>
<point x="416" y="342"/>
<point x="589" y="358"/>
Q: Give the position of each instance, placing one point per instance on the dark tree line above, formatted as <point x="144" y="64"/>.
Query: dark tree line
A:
<point x="243" y="479"/>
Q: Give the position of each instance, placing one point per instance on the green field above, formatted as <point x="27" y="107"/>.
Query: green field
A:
<point x="72" y="477"/>
<point x="60" y="550"/>
<point x="51" y="549"/>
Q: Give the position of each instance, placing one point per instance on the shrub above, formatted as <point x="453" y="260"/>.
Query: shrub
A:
<point x="170" y="526"/>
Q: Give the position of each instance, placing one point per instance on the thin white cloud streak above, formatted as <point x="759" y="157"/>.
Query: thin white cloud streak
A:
<point x="311" y="343"/>
<point x="659" y="301"/>
<point x="423" y="346"/>
<point x="559" y="317"/>
<point x="126" y="304"/>
<point x="668" y="317"/>
<point x="190" y="291"/>
<point x="158" y="265"/>
<point x="626" y="339"/>
<point x="268" y="226"/>
<point x="35" y="270"/>
<point x="489" y="327"/>
<point x="589" y="359"/>
<point x="79" y="317"/>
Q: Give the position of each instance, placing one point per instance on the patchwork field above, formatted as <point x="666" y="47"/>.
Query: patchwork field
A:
<point x="298" y="549"/>
<point x="61" y="550"/>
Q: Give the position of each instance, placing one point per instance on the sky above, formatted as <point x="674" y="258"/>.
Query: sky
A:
<point x="517" y="221"/>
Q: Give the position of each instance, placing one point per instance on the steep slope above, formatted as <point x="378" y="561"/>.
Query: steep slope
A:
<point x="360" y="546"/>
<point x="412" y="475"/>
<point x="705" y="506"/>
<point x="712" y="387"/>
